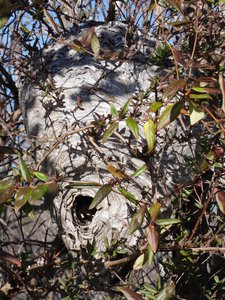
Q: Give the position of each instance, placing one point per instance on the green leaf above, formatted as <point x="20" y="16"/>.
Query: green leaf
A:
<point x="152" y="236"/>
<point x="139" y="262"/>
<point x="150" y="255"/>
<point x="6" y="8"/>
<point x="195" y="114"/>
<point x="82" y="184"/>
<point x="200" y="96"/>
<point x="27" y="208"/>
<point x="38" y="192"/>
<point x="149" y="132"/>
<point x="113" y="110"/>
<point x="5" y="184"/>
<point x="127" y="195"/>
<point x="133" y="126"/>
<point x="155" y="106"/>
<point x="204" y="165"/>
<point x="100" y="195"/>
<point x="155" y="211"/>
<point x="171" y="112"/>
<point x="41" y="176"/>
<point x="124" y="108"/>
<point x="24" y="169"/>
<point x="173" y="88"/>
<point x="95" y="44"/>
<point x="3" y="21"/>
<point x="139" y="171"/>
<point x="21" y="197"/>
<point x="109" y="131"/>
<point x="165" y="222"/>
<point x="200" y="89"/>
<point x="137" y="220"/>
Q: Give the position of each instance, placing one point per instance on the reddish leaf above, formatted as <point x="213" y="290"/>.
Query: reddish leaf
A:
<point x="86" y="39"/>
<point x="6" y="194"/>
<point x="76" y="45"/>
<point x="166" y="293"/>
<point x="51" y="21"/>
<point x="220" y="199"/>
<point x="9" y="258"/>
<point x="219" y="151"/>
<point x="173" y="88"/>
<point x="129" y="294"/>
<point x="222" y="87"/>
<point x="176" y="4"/>
<point x="115" y="172"/>
<point x="53" y="187"/>
<point x="179" y="23"/>
<point x="178" y="57"/>
<point x="152" y="237"/>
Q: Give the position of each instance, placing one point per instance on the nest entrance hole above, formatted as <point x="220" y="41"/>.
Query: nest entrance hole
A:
<point x="81" y="209"/>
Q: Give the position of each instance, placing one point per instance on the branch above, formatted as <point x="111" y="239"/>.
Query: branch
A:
<point x="11" y="85"/>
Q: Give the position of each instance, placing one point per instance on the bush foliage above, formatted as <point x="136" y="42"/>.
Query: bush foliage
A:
<point x="190" y="42"/>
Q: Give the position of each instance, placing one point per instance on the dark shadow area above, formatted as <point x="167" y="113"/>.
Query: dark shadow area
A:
<point x="81" y="209"/>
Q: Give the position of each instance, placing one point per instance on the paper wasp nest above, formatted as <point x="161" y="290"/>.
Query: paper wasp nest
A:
<point x="66" y="108"/>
